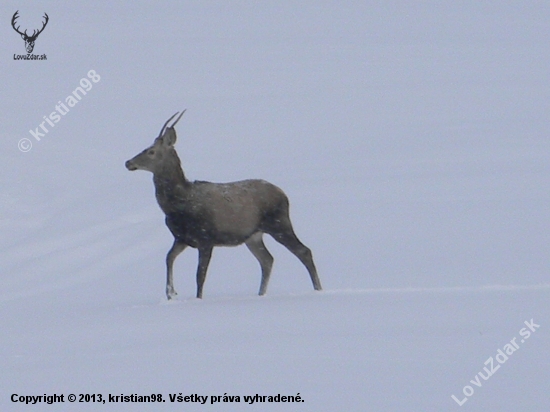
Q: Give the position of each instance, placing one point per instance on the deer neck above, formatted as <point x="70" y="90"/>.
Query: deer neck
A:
<point x="171" y="186"/>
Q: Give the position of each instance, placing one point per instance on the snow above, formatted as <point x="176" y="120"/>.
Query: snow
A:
<point x="411" y="139"/>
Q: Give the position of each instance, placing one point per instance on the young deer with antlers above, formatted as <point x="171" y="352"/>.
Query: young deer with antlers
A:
<point x="204" y="215"/>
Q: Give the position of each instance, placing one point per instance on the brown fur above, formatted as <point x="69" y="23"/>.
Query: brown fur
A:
<point x="204" y="215"/>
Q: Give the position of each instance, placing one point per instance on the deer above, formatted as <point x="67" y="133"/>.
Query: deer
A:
<point x="204" y="215"/>
<point x="29" y="40"/>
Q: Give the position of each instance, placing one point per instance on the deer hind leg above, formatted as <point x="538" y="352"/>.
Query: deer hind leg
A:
<point x="256" y="245"/>
<point x="284" y="234"/>
<point x="205" y="254"/>
<point x="174" y="251"/>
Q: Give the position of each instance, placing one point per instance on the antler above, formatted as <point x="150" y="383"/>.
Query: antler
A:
<point x="15" y="16"/>
<point x="34" y="35"/>
<point x="167" y="121"/>
<point x="179" y="117"/>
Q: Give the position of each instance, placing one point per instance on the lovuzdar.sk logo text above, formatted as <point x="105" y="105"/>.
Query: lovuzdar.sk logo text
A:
<point x="29" y="39"/>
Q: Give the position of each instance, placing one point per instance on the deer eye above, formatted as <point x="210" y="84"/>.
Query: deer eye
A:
<point x="151" y="152"/>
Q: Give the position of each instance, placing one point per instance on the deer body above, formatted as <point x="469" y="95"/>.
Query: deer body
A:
<point x="204" y="215"/>
<point x="220" y="214"/>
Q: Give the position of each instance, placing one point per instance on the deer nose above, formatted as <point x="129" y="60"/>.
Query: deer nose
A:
<point x="130" y="165"/>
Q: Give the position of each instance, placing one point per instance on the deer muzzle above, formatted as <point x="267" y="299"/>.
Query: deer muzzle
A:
<point x="130" y="166"/>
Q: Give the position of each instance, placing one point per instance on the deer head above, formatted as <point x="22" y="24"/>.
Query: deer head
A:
<point x="158" y="153"/>
<point x="29" y="40"/>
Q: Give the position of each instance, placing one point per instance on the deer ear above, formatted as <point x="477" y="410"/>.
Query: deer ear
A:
<point x="169" y="137"/>
<point x="23" y="36"/>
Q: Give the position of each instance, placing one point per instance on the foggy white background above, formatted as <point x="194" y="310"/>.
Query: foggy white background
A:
<point x="412" y="141"/>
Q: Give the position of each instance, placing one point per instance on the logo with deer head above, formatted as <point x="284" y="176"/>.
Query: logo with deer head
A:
<point x="29" y="40"/>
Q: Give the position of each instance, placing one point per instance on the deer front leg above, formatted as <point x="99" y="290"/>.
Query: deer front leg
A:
<point x="205" y="254"/>
<point x="176" y="249"/>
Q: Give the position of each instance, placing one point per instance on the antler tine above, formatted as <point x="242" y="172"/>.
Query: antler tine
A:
<point x="15" y="15"/>
<point x="46" y="22"/>
<point x="163" y="127"/>
<point x="13" y="19"/>
<point x="43" y="26"/>
<point x="179" y="117"/>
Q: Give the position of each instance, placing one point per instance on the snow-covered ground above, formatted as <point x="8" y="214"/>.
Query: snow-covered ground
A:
<point x="412" y="141"/>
